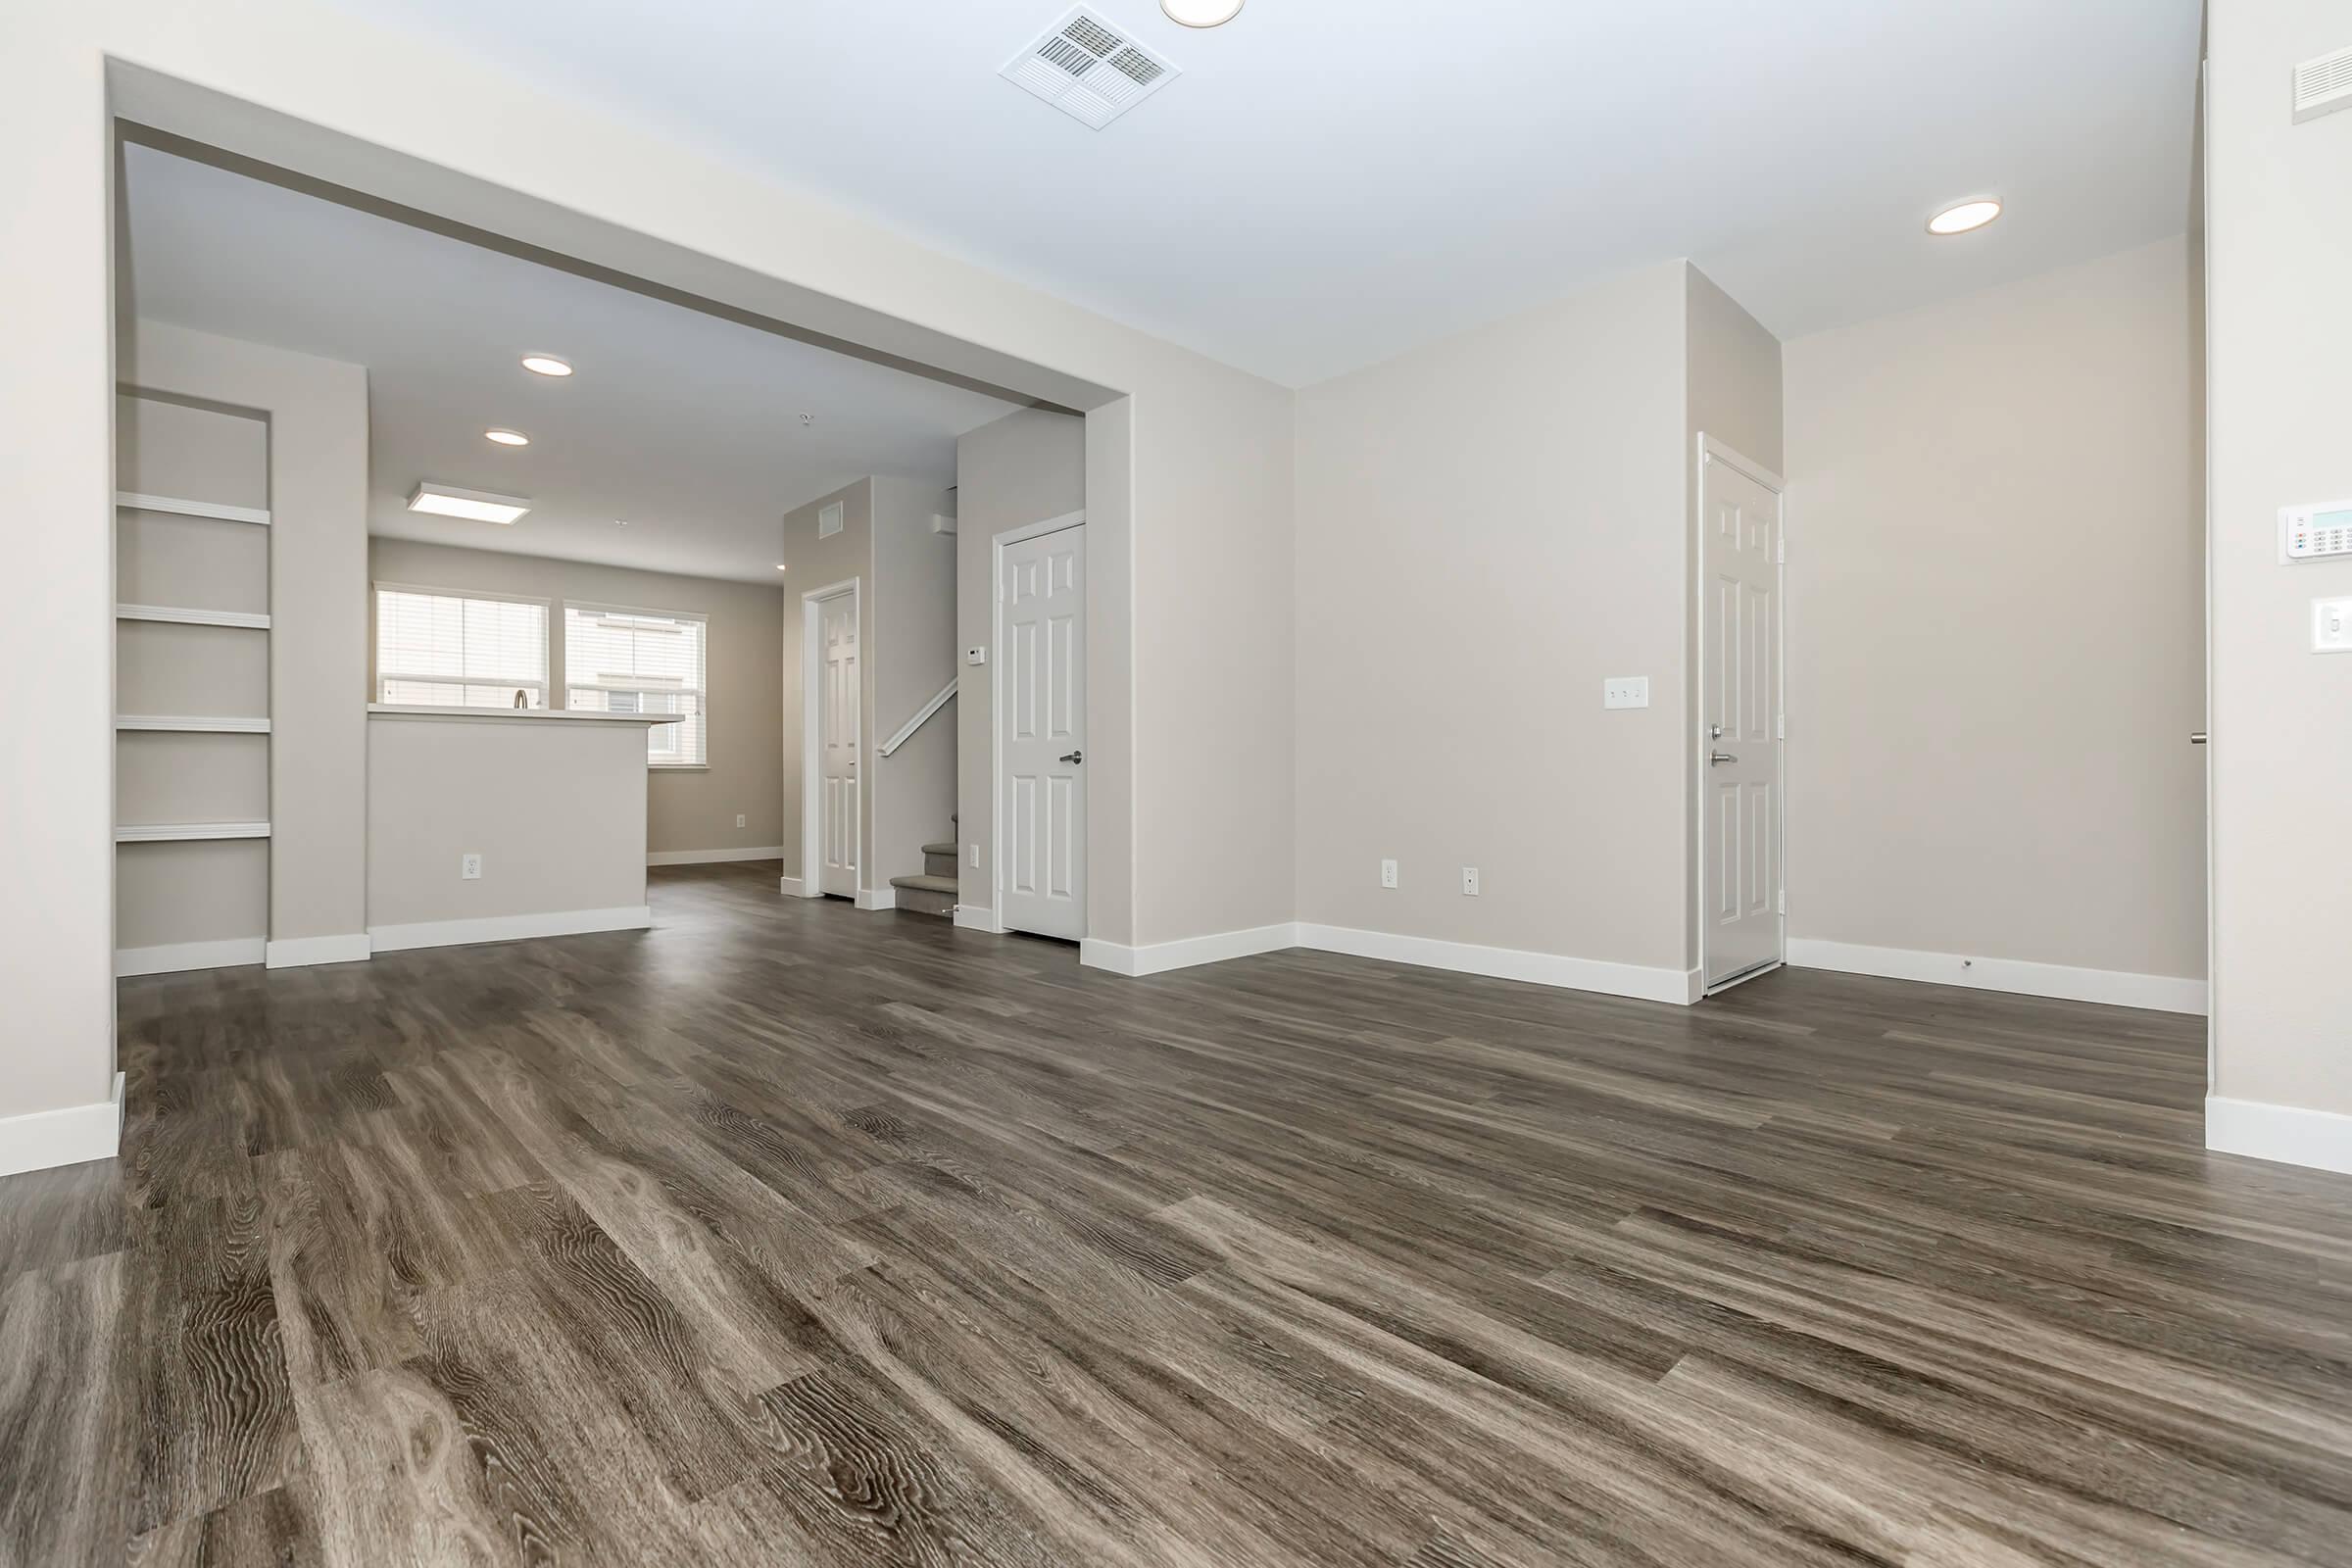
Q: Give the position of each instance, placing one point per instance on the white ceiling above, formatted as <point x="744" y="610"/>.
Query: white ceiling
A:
<point x="685" y="424"/>
<point x="1334" y="180"/>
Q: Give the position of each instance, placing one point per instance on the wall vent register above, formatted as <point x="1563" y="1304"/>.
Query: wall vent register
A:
<point x="1088" y="70"/>
<point x="2313" y="533"/>
<point x="2324" y="86"/>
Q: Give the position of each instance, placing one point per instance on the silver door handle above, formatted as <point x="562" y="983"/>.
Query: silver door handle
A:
<point x="2196" y="737"/>
<point x="1720" y="757"/>
<point x="1074" y="756"/>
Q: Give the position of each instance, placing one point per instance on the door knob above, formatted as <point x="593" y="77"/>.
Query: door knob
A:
<point x="1073" y="757"/>
<point x="1713" y="757"/>
<point x="2196" y="737"/>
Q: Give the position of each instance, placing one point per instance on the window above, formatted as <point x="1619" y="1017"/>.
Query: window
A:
<point x="641" y="661"/>
<point x="454" y="650"/>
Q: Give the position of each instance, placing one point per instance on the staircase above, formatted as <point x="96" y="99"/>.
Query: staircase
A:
<point x="934" y="892"/>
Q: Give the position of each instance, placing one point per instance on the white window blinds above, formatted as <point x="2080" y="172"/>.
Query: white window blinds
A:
<point x="459" y="651"/>
<point x="641" y="661"/>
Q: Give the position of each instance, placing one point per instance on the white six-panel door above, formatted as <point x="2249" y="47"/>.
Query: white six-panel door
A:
<point x="1741" y="728"/>
<point x="1041" y="734"/>
<point x="840" y="720"/>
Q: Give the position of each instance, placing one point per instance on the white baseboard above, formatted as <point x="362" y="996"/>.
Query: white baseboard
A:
<point x="297" y="952"/>
<point x="792" y="887"/>
<point x="508" y="928"/>
<point x="1677" y="986"/>
<point x="2288" y="1134"/>
<point x="975" y="919"/>
<point x="69" y="1136"/>
<point x="2113" y="987"/>
<point x="877" y="898"/>
<point x="766" y="852"/>
<point x="190" y="955"/>
<point x="1161" y="957"/>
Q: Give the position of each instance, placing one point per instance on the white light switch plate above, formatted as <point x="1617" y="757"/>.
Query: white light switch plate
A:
<point x="2332" y="626"/>
<point x="1624" y="691"/>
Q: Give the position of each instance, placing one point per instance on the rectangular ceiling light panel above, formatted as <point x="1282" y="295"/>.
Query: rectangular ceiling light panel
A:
<point x="1088" y="70"/>
<point x="475" y="506"/>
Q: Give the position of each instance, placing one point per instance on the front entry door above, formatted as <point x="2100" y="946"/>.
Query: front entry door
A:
<point x="1041" y="734"/>
<point x="1739" y="735"/>
<point x="839" y="723"/>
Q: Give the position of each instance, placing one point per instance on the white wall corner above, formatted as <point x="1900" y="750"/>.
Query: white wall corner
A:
<point x="2288" y="1134"/>
<point x="971" y="918"/>
<point x="69" y="1136"/>
<point x="295" y="953"/>
<point x="1676" y="986"/>
<point x="877" y="898"/>
<point x="763" y="852"/>
<point x="1160" y="956"/>
<point x="2115" y="988"/>
<point x="508" y="928"/>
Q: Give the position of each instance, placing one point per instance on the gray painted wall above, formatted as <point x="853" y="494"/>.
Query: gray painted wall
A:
<point x="686" y="808"/>
<point x="2281" y="406"/>
<point x="912" y="648"/>
<point x="1025" y="467"/>
<point x="1488" y="527"/>
<point x="1995" y="649"/>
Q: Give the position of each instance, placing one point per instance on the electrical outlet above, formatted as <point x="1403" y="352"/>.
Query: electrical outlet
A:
<point x="1469" y="881"/>
<point x="1388" y="873"/>
<point x="469" y="867"/>
<point x="1624" y="691"/>
<point x="739" y="821"/>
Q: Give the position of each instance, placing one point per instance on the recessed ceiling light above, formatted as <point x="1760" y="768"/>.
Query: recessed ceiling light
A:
<point x="780" y="566"/>
<point x="475" y="506"/>
<point x="1201" y="12"/>
<point x="545" y="365"/>
<point x="507" y="438"/>
<point x="1965" y="216"/>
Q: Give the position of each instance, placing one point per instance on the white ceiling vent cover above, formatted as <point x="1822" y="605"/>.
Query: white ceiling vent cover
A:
<point x="2324" y="86"/>
<point x="1088" y="70"/>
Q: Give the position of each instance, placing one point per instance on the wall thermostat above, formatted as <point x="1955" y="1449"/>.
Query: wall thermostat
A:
<point x="2309" y="533"/>
<point x="975" y="655"/>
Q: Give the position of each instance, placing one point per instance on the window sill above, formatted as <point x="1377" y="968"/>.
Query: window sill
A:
<point x="678" y="768"/>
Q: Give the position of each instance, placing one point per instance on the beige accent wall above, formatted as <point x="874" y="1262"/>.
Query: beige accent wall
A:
<point x="1024" y="469"/>
<point x="2280" y="235"/>
<point x="812" y="563"/>
<point x="317" y="657"/>
<point x="1994" y="650"/>
<point x="687" y="810"/>
<point x="1488" y="529"/>
<point x="912" y="649"/>
<point x="556" y="808"/>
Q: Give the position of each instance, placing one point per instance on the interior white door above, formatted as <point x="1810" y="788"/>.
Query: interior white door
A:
<point x="1041" y="734"/>
<point x="1741" y="726"/>
<point x="839" y="723"/>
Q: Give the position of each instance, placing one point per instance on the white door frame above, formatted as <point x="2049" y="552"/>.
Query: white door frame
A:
<point x="1712" y="450"/>
<point x="812" y="732"/>
<point x="995" y="701"/>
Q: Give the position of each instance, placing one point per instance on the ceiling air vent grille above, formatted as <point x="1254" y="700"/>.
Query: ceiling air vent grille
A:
<point x="1088" y="70"/>
<point x="2324" y="86"/>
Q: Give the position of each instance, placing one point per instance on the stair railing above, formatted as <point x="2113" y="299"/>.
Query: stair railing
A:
<point x="923" y="717"/>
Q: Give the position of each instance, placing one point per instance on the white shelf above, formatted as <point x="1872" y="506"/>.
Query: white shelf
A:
<point x="192" y="509"/>
<point x="179" y="832"/>
<point x="250" y="619"/>
<point x="193" y="723"/>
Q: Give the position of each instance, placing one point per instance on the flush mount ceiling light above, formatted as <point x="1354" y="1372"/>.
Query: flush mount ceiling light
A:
<point x="545" y="365"/>
<point x="1965" y="216"/>
<point x="780" y="566"/>
<point x="475" y="506"/>
<point x="1201" y="12"/>
<point x="506" y="439"/>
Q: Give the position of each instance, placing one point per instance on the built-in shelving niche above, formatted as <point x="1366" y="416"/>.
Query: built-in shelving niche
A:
<point x="192" y="720"/>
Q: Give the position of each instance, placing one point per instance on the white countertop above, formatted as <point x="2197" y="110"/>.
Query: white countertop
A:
<point x="516" y="715"/>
